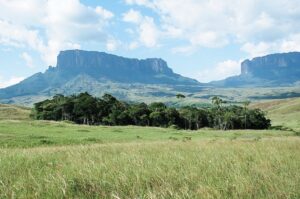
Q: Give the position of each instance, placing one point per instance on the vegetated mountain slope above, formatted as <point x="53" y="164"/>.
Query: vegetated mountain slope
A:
<point x="271" y="70"/>
<point x="95" y="68"/>
<point x="12" y="112"/>
<point x="282" y="112"/>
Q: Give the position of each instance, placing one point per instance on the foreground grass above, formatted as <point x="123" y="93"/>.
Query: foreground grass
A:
<point x="44" y="159"/>
<point x="25" y="134"/>
<point x="266" y="168"/>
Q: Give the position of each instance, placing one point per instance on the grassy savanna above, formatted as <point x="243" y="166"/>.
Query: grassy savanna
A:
<point x="284" y="113"/>
<point x="14" y="134"/>
<point x="43" y="159"/>
<point x="9" y="112"/>
<point x="268" y="168"/>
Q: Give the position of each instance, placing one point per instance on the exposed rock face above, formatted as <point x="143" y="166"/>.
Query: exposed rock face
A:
<point x="101" y="67"/>
<point x="284" y="66"/>
<point x="271" y="70"/>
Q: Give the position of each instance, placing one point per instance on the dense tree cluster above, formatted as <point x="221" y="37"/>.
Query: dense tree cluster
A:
<point x="86" y="109"/>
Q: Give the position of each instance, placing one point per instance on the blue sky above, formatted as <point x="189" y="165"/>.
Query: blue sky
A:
<point x="202" y="39"/>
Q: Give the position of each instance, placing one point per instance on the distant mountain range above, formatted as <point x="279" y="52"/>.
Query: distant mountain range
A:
<point x="91" y="68"/>
<point x="271" y="70"/>
<point x="98" y="72"/>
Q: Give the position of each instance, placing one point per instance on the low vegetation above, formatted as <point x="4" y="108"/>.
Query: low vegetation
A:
<point x="267" y="168"/>
<point x="86" y="109"/>
<point x="13" y="112"/>
<point x="283" y="113"/>
<point x="49" y="159"/>
<point x="26" y="134"/>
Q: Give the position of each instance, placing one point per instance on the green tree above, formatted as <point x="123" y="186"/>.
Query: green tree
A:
<point x="180" y="96"/>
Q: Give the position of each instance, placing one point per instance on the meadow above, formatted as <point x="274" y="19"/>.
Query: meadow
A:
<point x="44" y="159"/>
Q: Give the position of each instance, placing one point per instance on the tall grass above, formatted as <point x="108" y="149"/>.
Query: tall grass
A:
<point x="266" y="168"/>
<point x="40" y="159"/>
<point x="14" y="112"/>
<point x="285" y="113"/>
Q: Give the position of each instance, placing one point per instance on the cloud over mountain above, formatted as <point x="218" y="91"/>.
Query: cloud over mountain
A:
<point x="218" y="23"/>
<point x="48" y="26"/>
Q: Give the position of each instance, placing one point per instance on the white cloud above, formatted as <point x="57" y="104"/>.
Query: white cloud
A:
<point x="19" y="36"/>
<point x="112" y="44"/>
<point x="28" y="59"/>
<point x="27" y="12"/>
<point x="216" y="23"/>
<point x="292" y="43"/>
<point x="11" y="81"/>
<point x="48" y="26"/>
<point x="208" y="39"/>
<point x="50" y="52"/>
<point x="147" y="30"/>
<point x="104" y="13"/>
<point x="133" y="45"/>
<point x="149" y="33"/>
<point x="132" y="16"/>
<point x="140" y="2"/>
<point x="76" y="21"/>
<point x="221" y="71"/>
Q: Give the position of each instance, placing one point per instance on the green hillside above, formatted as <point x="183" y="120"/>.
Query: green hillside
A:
<point x="12" y="112"/>
<point x="282" y="112"/>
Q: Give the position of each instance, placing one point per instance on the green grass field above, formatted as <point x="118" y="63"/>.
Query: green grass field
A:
<point x="283" y="112"/>
<point x="44" y="159"/>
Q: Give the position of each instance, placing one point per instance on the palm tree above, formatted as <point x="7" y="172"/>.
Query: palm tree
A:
<point x="217" y="101"/>
<point x="245" y="105"/>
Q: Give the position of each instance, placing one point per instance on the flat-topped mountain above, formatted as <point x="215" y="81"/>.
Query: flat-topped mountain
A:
<point x="271" y="70"/>
<point x="115" y="68"/>
<point x="96" y="68"/>
<point x="151" y="80"/>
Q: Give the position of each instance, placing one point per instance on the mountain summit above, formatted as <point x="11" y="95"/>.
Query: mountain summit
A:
<point x="133" y="79"/>
<point x="282" y="69"/>
<point x="93" y="68"/>
<point x="114" y="68"/>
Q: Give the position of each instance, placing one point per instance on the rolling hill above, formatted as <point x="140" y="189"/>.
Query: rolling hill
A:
<point x="284" y="113"/>
<point x="13" y="112"/>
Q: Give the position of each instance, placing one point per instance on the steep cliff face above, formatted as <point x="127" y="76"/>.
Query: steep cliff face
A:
<point x="99" y="66"/>
<point x="102" y="64"/>
<point x="271" y="70"/>
<point x="285" y="66"/>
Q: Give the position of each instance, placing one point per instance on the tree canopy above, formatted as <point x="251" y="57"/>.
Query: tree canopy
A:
<point x="86" y="109"/>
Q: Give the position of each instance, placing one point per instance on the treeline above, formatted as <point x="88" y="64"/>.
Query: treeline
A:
<point x="86" y="109"/>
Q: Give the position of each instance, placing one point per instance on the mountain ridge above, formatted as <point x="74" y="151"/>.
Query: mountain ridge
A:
<point x="279" y="69"/>
<point x="134" y="79"/>
<point x="101" y="67"/>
